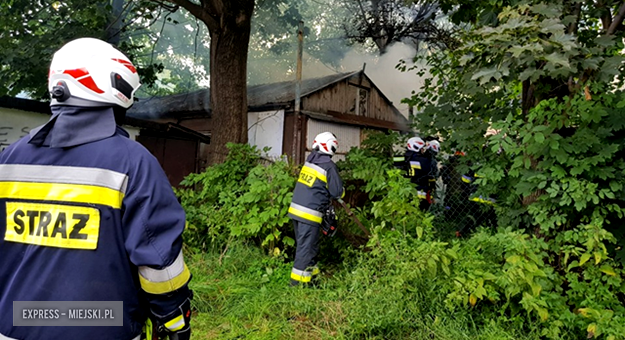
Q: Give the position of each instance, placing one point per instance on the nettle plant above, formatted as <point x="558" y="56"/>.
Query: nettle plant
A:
<point x="545" y="81"/>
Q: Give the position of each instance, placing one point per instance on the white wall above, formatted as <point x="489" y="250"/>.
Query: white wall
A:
<point x="347" y="136"/>
<point x="266" y="129"/>
<point x="14" y="124"/>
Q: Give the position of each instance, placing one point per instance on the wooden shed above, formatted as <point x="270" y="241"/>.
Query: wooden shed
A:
<point x="347" y="104"/>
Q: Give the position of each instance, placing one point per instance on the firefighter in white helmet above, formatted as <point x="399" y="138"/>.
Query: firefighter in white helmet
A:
<point x="88" y="214"/>
<point x="418" y="166"/>
<point x="319" y="182"/>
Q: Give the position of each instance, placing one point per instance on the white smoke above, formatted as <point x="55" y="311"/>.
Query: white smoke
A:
<point x="395" y="84"/>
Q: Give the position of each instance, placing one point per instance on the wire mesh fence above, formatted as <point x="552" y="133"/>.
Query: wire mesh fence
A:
<point x="457" y="207"/>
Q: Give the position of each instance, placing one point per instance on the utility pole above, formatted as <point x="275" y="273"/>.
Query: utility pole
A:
<point x="298" y="93"/>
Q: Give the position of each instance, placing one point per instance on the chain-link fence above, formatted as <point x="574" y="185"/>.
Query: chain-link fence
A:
<point x="457" y="206"/>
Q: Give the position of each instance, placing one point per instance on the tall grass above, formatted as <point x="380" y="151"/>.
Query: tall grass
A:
<point x="244" y="294"/>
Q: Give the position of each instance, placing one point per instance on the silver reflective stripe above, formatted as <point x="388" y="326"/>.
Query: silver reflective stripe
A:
<point x="415" y="164"/>
<point x="301" y="273"/>
<point x="165" y="274"/>
<point x="64" y="175"/>
<point x="306" y="210"/>
<point x="2" y="337"/>
<point x="316" y="168"/>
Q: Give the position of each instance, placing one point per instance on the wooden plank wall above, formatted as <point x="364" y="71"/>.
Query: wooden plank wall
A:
<point x="341" y="97"/>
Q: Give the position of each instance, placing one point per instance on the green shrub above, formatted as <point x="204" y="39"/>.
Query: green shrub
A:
<point x="242" y="198"/>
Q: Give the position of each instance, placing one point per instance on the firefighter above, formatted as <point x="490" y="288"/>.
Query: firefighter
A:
<point x="432" y="149"/>
<point x="419" y="166"/>
<point x="319" y="182"/>
<point x="87" y="213"/>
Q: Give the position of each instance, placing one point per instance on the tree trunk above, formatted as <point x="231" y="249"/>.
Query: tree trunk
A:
<point x="228" y="83"/>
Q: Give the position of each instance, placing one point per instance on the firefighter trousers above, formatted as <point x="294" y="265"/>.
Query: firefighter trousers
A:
<point x="307" y="248"/>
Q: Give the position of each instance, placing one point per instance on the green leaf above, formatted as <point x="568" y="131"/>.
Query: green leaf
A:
<point x="607" y="270"/>
<point x="485" y="75"/>
<point x="585" y="257"/>
<point x="558" y="59"/>
<point x="539" y="137"/>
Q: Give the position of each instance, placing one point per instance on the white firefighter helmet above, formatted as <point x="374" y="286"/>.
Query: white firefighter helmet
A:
<point x="91" y="72"/>
<point x="434" y="145"/>
<point x="415" y="144"/>
<point x="326" y="143"/>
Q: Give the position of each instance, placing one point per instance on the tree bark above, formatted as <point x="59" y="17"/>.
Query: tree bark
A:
<point x="228" y="83"/>
<point x="229" y="23"/>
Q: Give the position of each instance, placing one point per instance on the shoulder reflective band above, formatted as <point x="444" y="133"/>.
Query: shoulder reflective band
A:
<point x="52" y="225"/>
<point x="398" y="159"/>
<point x="63" y="184"/>
<point x="168" y="279"/>
<point x="415" y="164"/>
<point x="310" y="172"/>
<point x="305" y="213"/>
<point x="301" y="275"/>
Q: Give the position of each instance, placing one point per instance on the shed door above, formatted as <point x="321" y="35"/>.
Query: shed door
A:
<point x="348" y="136"/>
<point x="178" y="157"/>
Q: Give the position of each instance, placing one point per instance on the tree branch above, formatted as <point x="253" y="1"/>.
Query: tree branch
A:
<point x="618" y="19"/>
<point x="197" y="11"/>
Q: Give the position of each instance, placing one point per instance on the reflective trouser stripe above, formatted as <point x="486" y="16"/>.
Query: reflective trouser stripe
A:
<point x="301" y="275"/>
<point x="466" y="179"/>
<point x="2" y="337"/>
<point x="305" y="213"/>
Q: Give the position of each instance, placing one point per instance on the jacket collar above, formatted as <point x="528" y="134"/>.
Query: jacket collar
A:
<point x="73" y="125"/>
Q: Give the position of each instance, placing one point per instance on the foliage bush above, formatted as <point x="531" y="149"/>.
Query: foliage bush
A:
<point x="561" y="286"/>
<point x="242" y="198"/>
<point x="547" y="86"/>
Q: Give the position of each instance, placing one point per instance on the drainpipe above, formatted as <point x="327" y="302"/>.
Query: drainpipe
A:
<point x="298" y="93"/>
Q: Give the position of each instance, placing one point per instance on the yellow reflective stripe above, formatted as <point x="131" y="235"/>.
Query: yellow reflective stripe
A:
<point x="317" y="171"/>
<point x="415" y="164"/>
<point x="466" y="179"/>
<point x="175" y="324"/>
<point x="162" y="287"/>
<point x="422" y="194"/>
<point x="483" y="200"/>
<point x="398" y="159"/>
<point x="304" y="215"/>
<point x="301" y="275"/>
<point x="63" y="175"/>
<point x="62" y="192"/>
